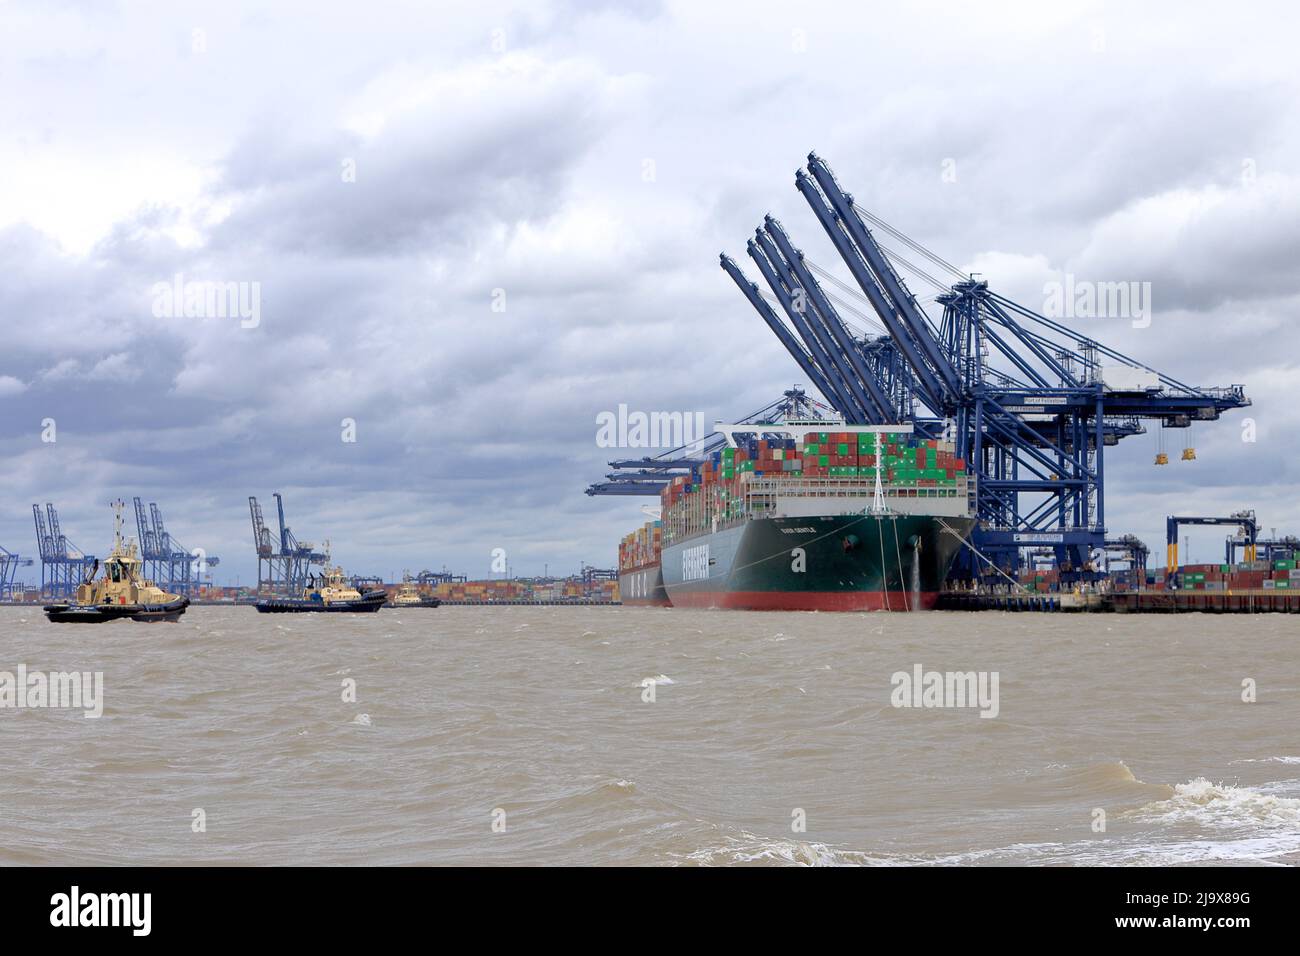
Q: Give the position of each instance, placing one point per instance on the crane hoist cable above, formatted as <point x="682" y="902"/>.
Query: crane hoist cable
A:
<point x="949" y="267"/>
<point x="898" y="259"/>
<point x="908" y="241"/>
<point x="848" y="290"/>
<point x="860" y="298"/>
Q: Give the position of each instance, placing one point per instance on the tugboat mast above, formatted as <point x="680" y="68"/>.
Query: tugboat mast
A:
<point x="117" y="507"/>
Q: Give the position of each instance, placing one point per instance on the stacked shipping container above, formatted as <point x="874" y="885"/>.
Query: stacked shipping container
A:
<point x="714" y="494"/>
<point x="570" y="589"/>
<point x="905" y="459"/>
<point x="1245" y="576"/>
<point x="641" y="547"/>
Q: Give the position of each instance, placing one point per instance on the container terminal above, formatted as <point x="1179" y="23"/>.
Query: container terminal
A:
<point x="971" y="441"/>
<point x="1022" y="402"/>
<point x="286" y="566"/>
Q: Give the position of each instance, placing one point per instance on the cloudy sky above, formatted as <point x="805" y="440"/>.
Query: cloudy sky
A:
<point x="385" y="173"/>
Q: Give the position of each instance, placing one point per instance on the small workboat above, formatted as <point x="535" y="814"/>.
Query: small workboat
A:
<point x="408" y="595"/>
<point x="121" y="593"/>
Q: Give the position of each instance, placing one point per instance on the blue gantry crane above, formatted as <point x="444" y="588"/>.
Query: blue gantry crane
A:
<point x="1130" y="550"/>
<point x="1030" y="402"/>
<point x="648" y="475"/>
<point x="166" y="561"/>
<point x="64" y="566"/>
<point x="9" y="565"/>
<point x="284" y="563"/>
<point x="440" y="577"/>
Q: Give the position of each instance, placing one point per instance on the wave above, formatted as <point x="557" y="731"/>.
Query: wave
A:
<point x="1112" y="781"/>
<point x="1222" y="806"/>
<point x="748" y="849"/>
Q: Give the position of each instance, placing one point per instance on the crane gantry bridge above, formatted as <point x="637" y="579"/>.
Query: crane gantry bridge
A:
<point x="1030" y="402"/>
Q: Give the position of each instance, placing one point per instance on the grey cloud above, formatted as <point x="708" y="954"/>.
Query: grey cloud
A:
<point x="476" y="428"/>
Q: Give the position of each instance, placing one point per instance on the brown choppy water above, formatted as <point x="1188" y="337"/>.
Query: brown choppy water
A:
<point x="539" y="712"/>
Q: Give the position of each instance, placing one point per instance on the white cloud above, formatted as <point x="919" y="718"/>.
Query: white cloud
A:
<point x="524" y="169"/>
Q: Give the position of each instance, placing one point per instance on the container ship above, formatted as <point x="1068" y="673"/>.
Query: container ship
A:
<point x="854" y="519"/>
<point x="640" y="571"/>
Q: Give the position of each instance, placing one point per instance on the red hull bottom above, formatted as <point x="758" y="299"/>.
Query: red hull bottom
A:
<point x="804" y="600"/>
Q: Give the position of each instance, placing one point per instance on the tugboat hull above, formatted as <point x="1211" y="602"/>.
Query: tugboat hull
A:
<point x="103" y="613"/>
<point x="369" y="602"/>
<point x="423" y="602"/>
<point x="162" y="612"/>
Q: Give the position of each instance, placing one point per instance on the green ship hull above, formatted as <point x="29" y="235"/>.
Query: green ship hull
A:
<point x="848" y="562"/>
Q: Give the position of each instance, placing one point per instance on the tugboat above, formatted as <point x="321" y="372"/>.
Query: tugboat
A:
<point x="327" y="591"/>
<point x="121" y="593"/>
<point x="408" y="595"/>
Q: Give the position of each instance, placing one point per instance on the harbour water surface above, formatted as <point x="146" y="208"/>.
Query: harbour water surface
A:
<point x="534" y="719"/>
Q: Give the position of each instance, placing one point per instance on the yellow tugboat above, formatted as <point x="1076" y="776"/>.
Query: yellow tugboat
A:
<point x="327" y="591"/>
<point x="121" y="592"/>
<point x="408" y="595"/>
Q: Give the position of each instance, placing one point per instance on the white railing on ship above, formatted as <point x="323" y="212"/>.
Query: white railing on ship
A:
<point x="846" y="487"/>
<point x="841" y="486"/>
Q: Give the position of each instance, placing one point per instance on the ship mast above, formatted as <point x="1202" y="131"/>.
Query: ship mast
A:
<point x="878" y="502"/>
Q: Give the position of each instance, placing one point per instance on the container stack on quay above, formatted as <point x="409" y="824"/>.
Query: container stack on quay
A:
<point x="525" y="591"/>
<point x="1042" y="581"/>
<point x="1245" y="576"/>
<point x="1246" y="587"/>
